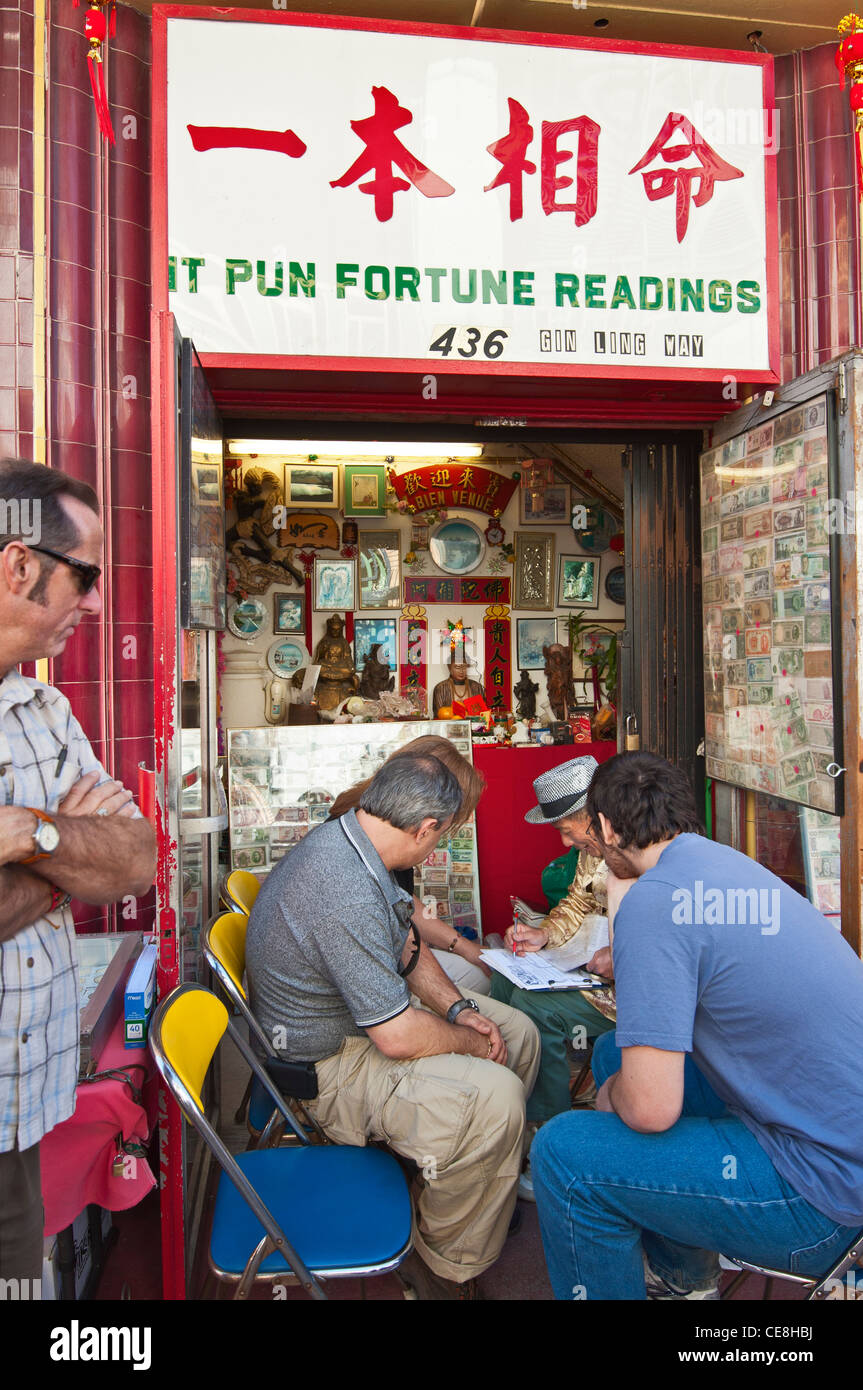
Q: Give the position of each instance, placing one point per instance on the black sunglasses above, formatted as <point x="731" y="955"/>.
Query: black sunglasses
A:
<point x="87" y="574"/>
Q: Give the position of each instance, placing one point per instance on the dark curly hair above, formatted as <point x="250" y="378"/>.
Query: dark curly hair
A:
<point x="645" y="798"/>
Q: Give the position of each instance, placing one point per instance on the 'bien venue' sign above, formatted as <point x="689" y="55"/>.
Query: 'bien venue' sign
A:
<point x="461" y="200"/>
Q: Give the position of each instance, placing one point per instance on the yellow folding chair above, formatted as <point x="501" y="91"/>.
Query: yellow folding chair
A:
<point x="309" y="1213"/>
<point x="238" y="891"/>
<point x="223" y="944"/>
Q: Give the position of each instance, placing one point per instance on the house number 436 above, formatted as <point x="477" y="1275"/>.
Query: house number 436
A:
<point x="466" y="341"/>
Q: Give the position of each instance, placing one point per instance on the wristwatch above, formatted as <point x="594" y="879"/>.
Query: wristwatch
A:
<point x="455" y="1009"/>
<point x="46" y="836"/>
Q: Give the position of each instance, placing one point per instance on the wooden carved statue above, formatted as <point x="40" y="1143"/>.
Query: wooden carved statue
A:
<point x="525" y="693"/>
<point x="558" y="676"/>
<point x="253" y="550"/>
<point x="376" y="675"/>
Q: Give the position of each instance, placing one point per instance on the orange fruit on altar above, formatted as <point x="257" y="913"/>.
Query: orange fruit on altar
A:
<point x="445" y="712"/>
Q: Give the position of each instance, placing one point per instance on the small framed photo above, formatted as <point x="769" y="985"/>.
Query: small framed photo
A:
<point x="335" y="585"/>
<point x="534" y="569"/>
<point x="532" y="634"/>
<point x="289" y="613"/>
<point x="367" y="632"/>
<point x="578" y="582"/>
<point x="549" y="509"/>
<point x="365" y="489"/>
<point x="312" y="484"/>
<point x="380" y="569"/>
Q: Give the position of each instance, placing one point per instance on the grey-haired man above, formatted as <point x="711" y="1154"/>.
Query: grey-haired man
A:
<point x="332" y="963"/>
<point x="66" y="829"/>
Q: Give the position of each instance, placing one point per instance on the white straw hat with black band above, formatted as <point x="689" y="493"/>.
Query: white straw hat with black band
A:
<point x="562" y="791"/>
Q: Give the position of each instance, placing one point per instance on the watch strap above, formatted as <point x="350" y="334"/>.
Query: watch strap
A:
<point x="49" y="820"/>
<point x="458" y="1007"/>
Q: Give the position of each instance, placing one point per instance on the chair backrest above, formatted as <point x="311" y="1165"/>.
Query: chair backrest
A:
<point x="187" y="1028"/>
<point x="189" y="1033"/>
<point x="223" y="944"/>
<point x="239" y="891"/>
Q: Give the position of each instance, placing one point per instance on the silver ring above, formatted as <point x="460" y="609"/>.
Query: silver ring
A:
<point x="102" y="811"/>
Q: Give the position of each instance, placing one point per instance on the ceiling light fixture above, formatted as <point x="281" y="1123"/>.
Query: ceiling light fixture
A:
<point x="353" y="449"/>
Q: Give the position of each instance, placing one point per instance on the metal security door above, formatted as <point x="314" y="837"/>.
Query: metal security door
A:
<point x="661" y="651"/>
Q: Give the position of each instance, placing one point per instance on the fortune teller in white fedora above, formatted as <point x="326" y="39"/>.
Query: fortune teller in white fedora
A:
<point x="567" y="1015"/>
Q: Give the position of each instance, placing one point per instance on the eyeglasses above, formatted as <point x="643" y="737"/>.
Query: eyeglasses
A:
<point x="87" y="574"/>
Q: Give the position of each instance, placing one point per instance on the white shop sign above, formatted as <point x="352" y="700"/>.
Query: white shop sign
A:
<point x="332" y="197"/>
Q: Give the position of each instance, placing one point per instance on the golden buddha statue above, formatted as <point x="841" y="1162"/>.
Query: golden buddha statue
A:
<point x="333" y="654"/>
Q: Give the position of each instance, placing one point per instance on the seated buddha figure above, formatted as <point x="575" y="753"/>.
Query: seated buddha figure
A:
<point x="337" y="679"/>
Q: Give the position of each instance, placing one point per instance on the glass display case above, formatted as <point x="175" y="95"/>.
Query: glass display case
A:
<point x="771" y="617"/>
<point x="283" y="781"/>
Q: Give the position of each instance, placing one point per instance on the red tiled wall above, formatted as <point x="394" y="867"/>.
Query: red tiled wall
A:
<point x="99" y="296"/>
<point x="819" y="229"/>
<point x="16" y="229"/>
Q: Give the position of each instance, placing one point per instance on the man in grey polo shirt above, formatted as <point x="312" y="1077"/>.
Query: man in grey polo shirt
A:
<point x="332" y="962"/>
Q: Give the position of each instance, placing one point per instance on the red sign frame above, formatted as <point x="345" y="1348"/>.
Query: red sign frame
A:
<point x="489" y="370"/>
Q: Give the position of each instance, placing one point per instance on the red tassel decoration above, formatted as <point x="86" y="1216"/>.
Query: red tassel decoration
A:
<point x="96" y="30"/>
<point x="112" y="23"/>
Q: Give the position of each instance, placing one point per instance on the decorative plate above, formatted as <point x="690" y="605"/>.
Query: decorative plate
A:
<point x="287" y="656"/>
<point x="457" y="546"/>
<point x="247" y="618"/>
<point x="615" y="585"/>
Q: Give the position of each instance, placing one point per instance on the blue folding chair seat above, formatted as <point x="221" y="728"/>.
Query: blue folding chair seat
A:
<point x="368" y="1224"/>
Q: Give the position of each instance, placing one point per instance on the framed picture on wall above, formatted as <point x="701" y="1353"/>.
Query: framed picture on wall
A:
<point x="549" y="508"/>
<point x="365" y="487"/>
<point x="289" y="613"/>
<point x="534" y="569"/>
<point x="532" y="634"/>
<point x="380" y="569"/>
<point x="202" y="571"/>
<point x="368" y="631"/>
<point x="312" y="484"/>
<point x="578" y="582"/>
<point x="335" y="584"/>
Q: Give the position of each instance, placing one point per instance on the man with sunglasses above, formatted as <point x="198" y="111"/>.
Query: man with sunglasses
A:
<point x="66" y="830"/>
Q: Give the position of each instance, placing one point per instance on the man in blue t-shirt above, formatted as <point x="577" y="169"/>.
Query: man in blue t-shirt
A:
<point x="752" y="1144"/>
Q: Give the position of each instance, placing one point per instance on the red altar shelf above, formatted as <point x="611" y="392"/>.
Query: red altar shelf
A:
<point x="78" y="1155"/>
<point x="512" y="854"/>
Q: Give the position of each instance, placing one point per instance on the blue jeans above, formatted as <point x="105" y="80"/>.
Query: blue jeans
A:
<point x="603" y="1191"/>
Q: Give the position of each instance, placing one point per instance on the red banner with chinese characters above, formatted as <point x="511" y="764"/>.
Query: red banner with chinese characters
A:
<point x="465" y="485"/>
<point x="498" y="675"/>
<point x="413" y="641"/>
<point x="480" y="588"/>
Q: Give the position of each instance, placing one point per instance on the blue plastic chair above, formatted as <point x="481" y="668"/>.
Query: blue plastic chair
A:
<point x="310" y="1213"/>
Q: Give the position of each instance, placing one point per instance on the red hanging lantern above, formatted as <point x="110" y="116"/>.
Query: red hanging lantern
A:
<point x="97" y="29"/>
<point x="849" y="61"/>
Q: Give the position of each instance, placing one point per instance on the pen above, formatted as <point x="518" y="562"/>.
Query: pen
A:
<point x="60" y="761"/>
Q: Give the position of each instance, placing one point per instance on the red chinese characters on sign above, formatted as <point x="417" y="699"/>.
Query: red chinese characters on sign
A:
<point x="383" y="151"/>
<point x="661" y="183"/>
<point x="467" y="486"/>
<point x="511" y="153"/>
<point x="235" y="137"/>
<point x="498" y="686"/>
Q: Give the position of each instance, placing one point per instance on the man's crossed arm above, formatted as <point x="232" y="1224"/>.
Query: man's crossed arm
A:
<point x="100" y="858"/>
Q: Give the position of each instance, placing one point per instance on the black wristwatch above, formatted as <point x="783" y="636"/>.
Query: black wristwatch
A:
<point x="455" y="1009"/>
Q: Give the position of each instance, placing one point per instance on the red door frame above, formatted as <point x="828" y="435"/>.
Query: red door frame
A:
<point x="484" y="390"/>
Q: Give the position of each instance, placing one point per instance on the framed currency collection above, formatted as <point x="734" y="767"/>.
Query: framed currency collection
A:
<point x="771" y="655"/>
<point x="283" y="781"/>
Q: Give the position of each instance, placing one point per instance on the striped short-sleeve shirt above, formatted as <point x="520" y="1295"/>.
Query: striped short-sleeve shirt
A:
<point x="43" y="752"/>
